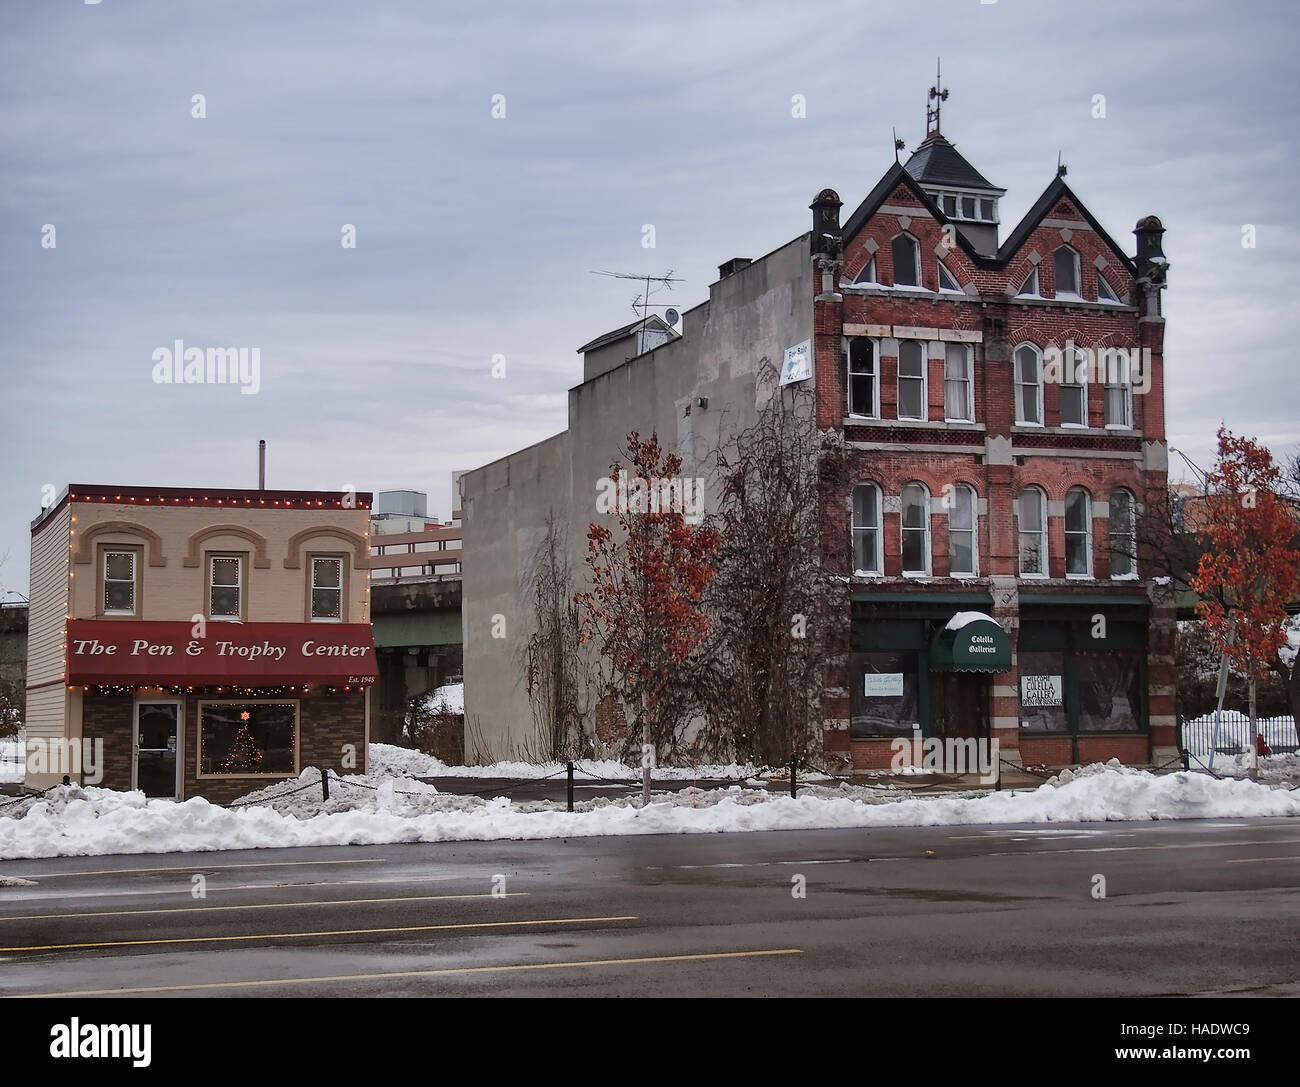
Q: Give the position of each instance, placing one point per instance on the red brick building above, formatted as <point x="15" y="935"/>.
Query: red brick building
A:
<point x="1004" y="407"/>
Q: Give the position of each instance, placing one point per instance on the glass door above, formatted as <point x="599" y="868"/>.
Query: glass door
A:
<point x="157" y="742"/>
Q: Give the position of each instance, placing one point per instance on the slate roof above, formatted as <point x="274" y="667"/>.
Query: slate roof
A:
<point x="937" y="162"/>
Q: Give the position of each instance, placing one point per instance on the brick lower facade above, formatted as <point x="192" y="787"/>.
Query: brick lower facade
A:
<point x="331" y="728"/>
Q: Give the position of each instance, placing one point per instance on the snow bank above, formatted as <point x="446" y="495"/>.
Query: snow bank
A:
<point x="387" y="759"/>
<point x="72" y="821"/>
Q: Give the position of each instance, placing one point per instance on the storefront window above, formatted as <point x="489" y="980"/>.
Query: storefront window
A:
<point x="1110" y="692"/>
<point x="244" y="738"/>
<point x="885" y="695"/>
<point x="1042" y="692"/>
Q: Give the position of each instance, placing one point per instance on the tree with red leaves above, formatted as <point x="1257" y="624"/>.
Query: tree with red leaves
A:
<point x="1249" y="571"/>
<point x="643" y="609"/>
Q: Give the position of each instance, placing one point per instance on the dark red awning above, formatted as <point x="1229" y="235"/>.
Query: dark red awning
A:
<point x="146" y="654"/>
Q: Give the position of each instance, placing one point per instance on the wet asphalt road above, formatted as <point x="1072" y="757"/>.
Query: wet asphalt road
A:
<point x="1195" y="907"/>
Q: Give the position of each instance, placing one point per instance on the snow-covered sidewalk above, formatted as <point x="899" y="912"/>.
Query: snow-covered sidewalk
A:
<point x="380" y="808"/>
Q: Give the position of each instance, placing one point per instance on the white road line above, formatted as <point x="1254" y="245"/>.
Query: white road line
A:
<point x="263" y="906"/>
<point x="240" y="887"/>
<point x="1137" y="848"/>
<point x="1260" y="860"/>
<point x="206" y="867"/>
<point x="749" y="864"/>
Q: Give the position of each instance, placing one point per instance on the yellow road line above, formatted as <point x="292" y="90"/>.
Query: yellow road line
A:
<point x="333" y="932"/>
<point x="424" y="973"/>
<point x="262" y="906"/>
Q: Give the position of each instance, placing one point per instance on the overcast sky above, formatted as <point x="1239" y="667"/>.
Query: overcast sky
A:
<point x="477" y="236"/>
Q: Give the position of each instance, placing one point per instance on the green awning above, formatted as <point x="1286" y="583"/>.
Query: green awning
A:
<point x="971" y="642"/>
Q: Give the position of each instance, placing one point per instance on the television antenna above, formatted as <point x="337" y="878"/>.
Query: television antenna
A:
<point x="641" y="304"/>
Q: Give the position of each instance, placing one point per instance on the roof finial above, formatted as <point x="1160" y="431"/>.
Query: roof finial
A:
<point x="938" y="95"/>
<point x="898" y="144"/>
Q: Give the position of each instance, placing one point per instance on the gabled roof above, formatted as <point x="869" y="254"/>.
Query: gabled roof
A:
<point x="1054" y="192"/>
<point x="937" y="162"/>
<point x="652" y="321"/>
<point x="896" y="175"/>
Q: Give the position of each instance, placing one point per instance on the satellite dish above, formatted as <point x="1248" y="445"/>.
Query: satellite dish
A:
<point x="672" y="316"/>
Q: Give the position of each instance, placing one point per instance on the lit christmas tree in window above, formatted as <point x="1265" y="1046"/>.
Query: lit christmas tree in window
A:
<point x="244" y="757"/>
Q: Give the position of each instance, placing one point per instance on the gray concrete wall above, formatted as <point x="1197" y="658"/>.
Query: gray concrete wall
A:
<point x="758" y="312"/>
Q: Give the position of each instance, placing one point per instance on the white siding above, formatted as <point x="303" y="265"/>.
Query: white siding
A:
<point x="46" y="630"/>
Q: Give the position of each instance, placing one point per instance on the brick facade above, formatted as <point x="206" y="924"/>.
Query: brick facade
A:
<point x="994" y="454"/>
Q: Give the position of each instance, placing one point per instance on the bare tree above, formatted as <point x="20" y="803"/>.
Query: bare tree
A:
<point x="556" y="671"/>
<point x="773" y="601"/>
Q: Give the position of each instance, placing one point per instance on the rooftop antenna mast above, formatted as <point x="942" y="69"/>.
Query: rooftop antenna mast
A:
<point x="938" y="95"/>
<point x="641" y="304"/>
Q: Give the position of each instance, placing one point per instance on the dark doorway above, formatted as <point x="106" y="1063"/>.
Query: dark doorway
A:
<point x="960" y="705"/>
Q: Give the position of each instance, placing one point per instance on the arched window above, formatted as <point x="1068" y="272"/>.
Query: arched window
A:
<point x="866" y="529"/>
<point x="916" y="529"/>
<point x="1105" y="292"/>
<point x="1074" y="388"/>
<point x="868" y="273"/>
<point x="1029" y="385"/>
<point x="907" y="261"/>
<point x="1078" y="533"/>
<point x="1066" y="264"/>
<point x="863" y="390"/>
<point x="1031" y="514"/>
<point x="1123" y="534"/>
<point x="912" y="367"/>
<point x="962" y="519"/>
<point x="958" y="383"/>
<point x="947" y="281"/>
<point x="1030" y="285"/>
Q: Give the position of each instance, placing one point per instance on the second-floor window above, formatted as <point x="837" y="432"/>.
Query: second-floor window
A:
<point x="866" y="529"/>
<point x="915" y="521"/>
<point x="911" y="380"/>
<point x="1078" y="533"/>
<point x="1123" y="535"/>
<point x="326" y="589"/>
<point x="962" y="512"/>
<point x="1031" y="513"/>
<point x="958" y="386"/>
<point x="225" y="587"/>
<point x="119" y="582"/>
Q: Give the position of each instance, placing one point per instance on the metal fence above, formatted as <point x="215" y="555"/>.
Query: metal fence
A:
<point x="1234" y="733"/>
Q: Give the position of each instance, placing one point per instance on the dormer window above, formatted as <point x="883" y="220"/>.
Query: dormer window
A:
<point x="1066" y="264"/>
<point x="868" y="273"/>
<point x="1029" y="287"/>
<point x="968" y="207"/>
<point x="907" y="261"/>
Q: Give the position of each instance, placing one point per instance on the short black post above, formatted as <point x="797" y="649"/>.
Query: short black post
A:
<point x="998" y="768"/>
<point x="793" y="788"/>
<point x="324" y="783"/>
<point x="570" y="765"/>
